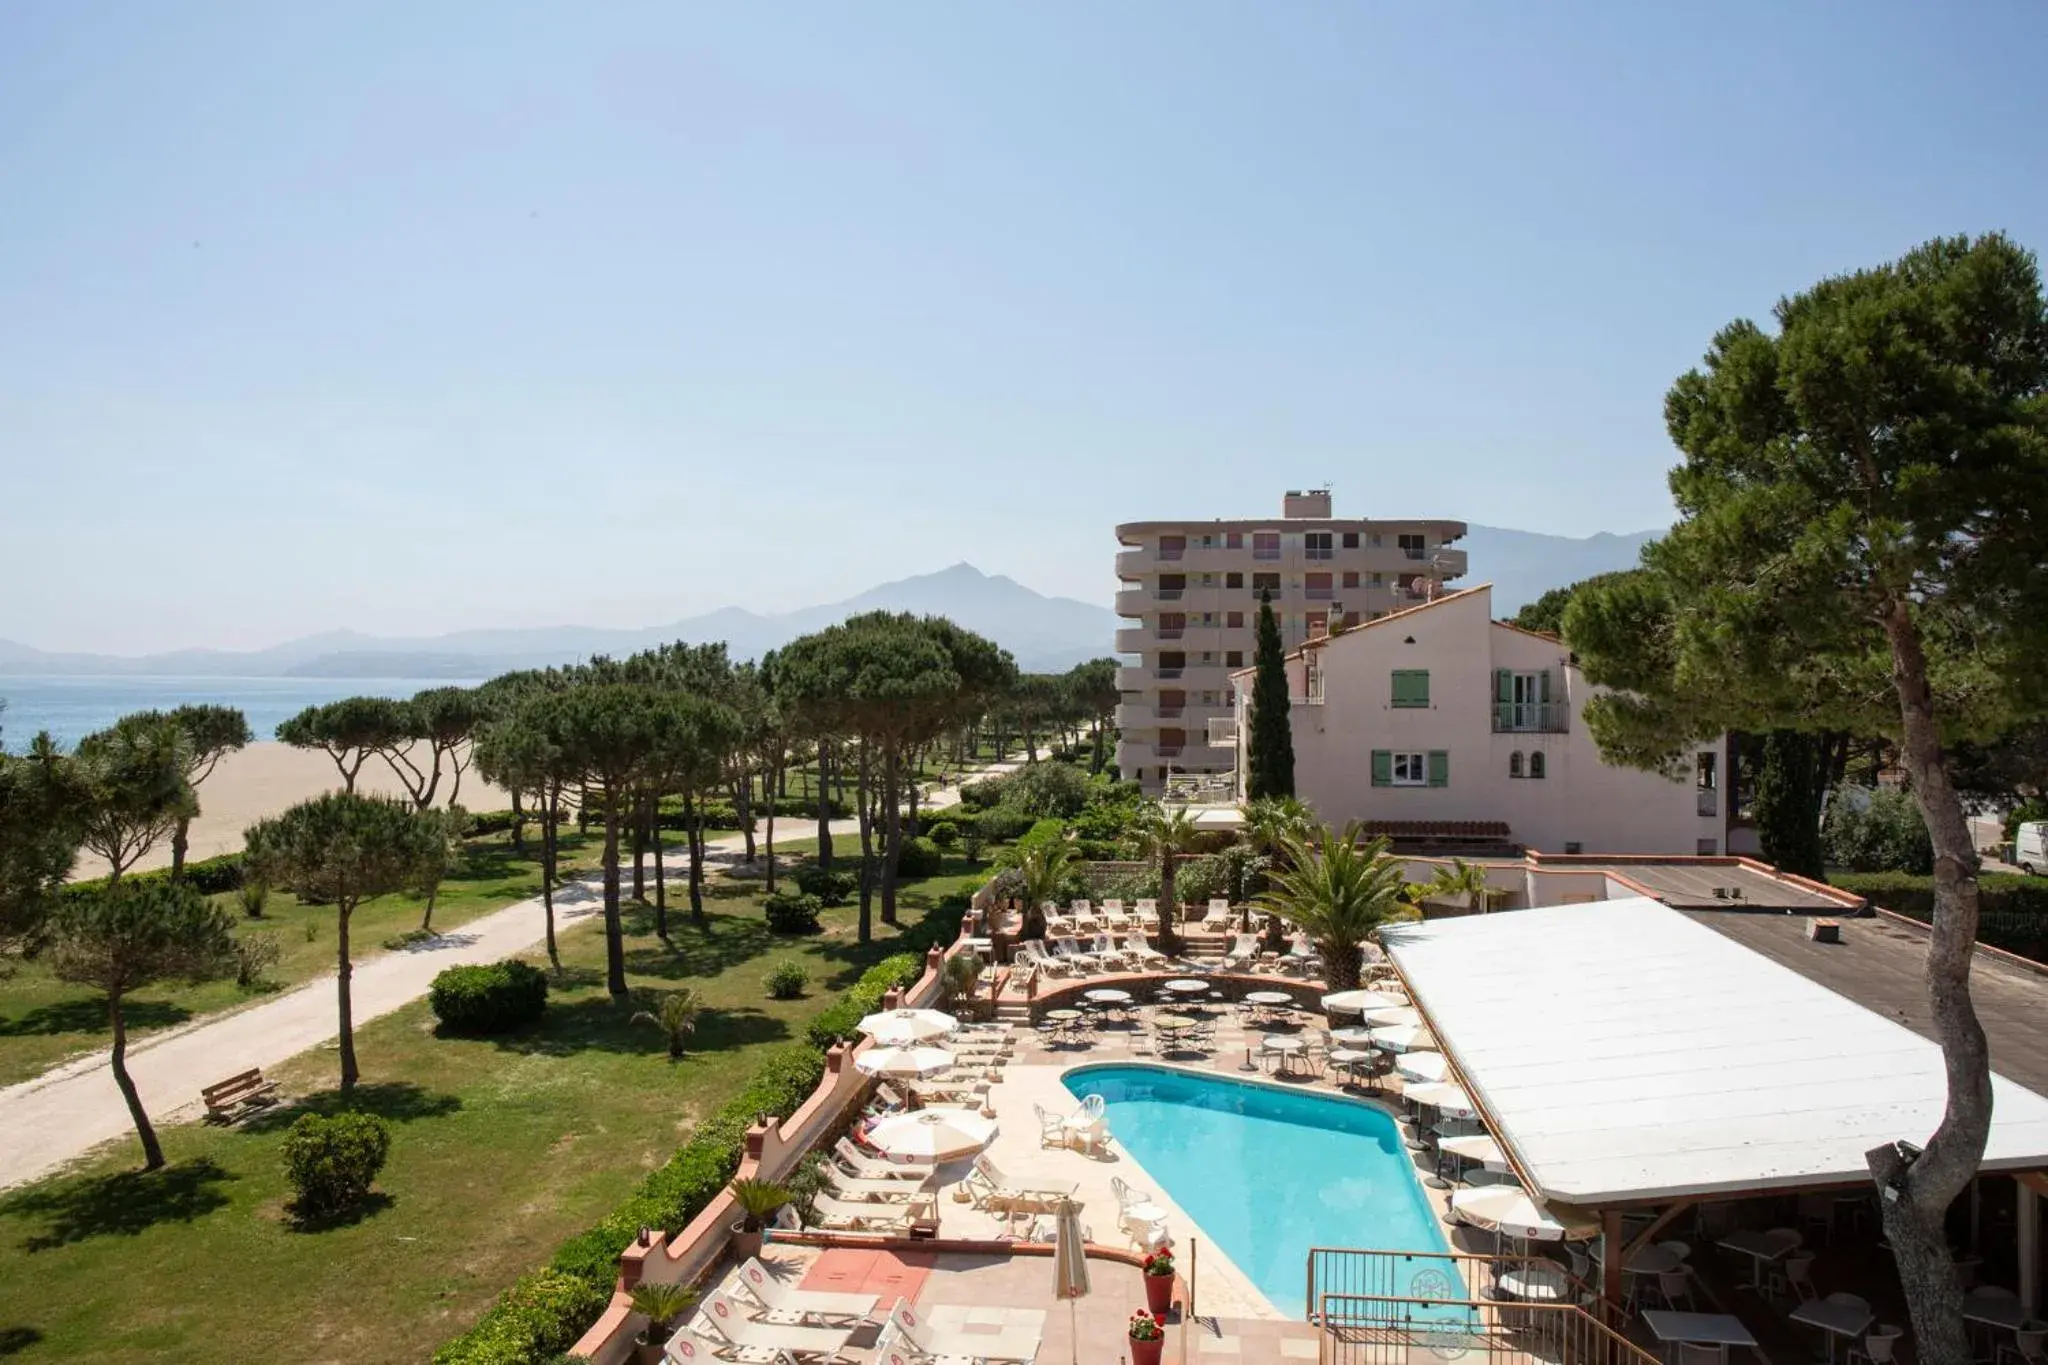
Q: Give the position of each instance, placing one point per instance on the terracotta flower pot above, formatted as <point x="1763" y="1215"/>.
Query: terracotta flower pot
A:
<point x="745" y="1243"/>
<point x="1159" y="1294"/>
<point x="1147" y="1352"/>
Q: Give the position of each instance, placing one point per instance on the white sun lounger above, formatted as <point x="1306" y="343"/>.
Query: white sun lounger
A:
<point x="728" y="1318"/>
<point x="788" y="1304"/>
<point x="930" y="1344"/>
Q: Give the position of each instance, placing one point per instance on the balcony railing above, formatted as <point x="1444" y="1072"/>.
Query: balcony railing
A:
<point x="1167" y="594"/>
<point x="1415" y="551"/>
<point x="1223" y="732"/>
<point x="1541" y="717"/>
<point x="1166" y="750"/>
<point x="1319" y="594"/>
<point x="1167" y="673"/>
<point x="1165" y="553"/>
<point x="1318" y="552"/>
<point x="1168" y="712"/>
<point x="1169" y="632"/>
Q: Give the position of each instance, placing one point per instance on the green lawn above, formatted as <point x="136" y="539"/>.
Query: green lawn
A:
<point x="502" y="1148"/>
<point x="44" y="1020"/>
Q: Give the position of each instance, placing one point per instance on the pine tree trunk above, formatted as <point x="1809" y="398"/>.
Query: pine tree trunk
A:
<point x="743" y="811"/>
<point x="824" y="814"/>
<point x="614" y="930"/>
<point x="180" y="841"/>
<point x="776" y="780"/>
<point x="693" y="817"/>
<point x="640" y="850"/>
<point x="152" y="1150"/>
<point x="892" y="828"/>
<point x="1915" y="1198"/>
<point x="660" y="883"/>
<point x="344" y="973"/>
<point x="867" y="887"/>
<point x="518" y="825"/>
<point x="548" y="825"/>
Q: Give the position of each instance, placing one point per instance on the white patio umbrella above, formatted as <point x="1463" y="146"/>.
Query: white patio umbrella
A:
<point x="1423" y="1066"/>
<point x="900" y="1027"/>
<point x="1391" y="1015"/>
<point x="1403" y="1037"/>
<point x="917" y="1062"/>
<point x="932" y="1134"/>
<point x="1445" y="1099"/>
<point x="1508" y="1210"/>
<point x="1070" y="1266"/>
<point x="1477" y="1147"/>
<point x="1358" y="1002"/>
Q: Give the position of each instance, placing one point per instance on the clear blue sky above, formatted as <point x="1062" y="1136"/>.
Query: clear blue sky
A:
<point x="415" y="317"/>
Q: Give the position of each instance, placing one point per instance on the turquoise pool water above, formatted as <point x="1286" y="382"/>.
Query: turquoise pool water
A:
<point x="1267" y="1173"/>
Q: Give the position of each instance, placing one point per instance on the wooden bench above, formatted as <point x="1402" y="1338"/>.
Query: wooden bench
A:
<point x="234" y="1097"/>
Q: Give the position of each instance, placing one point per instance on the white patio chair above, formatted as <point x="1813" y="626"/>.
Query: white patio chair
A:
<point x="1052" y="1129"/>
<point x="1106" y="953"/>
<point x="1142" y="955"/>
<point x="1217" y="921"/>
<point x="1114" y="916"/>
<point x="1081" y="959"/>
<point x="1148" y="912"/>
<point x="1095" y="1130"/>
<point x="1244" y="952"/>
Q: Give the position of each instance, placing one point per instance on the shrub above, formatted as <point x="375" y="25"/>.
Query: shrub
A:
<point x="542" y="1313"/>
<point x="918" y="858"/>
<point x="970" y="844"/>
<point x="254" y="896"/>
<point x="793" y="914"/>
<point x="984" y="794"/>
<point x="1002" y="823"/>
<point x="1876" y="831"/>
<point x="1047" y="789"/>
<point x="676" y="1016"/>
<point x="943" y="833"/>
<point x="332" y="1160"/>
<point x="830" y="887"/>
<point x="2012" y="910"/>
<point x="255" y="955"/>
<point x="1042" y="833"/>
<point x="489" y="999"/>
<point x="787" y="980"/>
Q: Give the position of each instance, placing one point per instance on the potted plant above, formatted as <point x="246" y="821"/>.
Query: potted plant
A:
<point x="662" y="1304"/>
<point x="759" y="1200"/>
<point x="1159" y="1282"/>
<point x="958" y="980"/>
<point x="1148" y="1338"/>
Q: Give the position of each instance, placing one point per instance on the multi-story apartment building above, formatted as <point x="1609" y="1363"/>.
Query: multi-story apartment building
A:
<point x="1440" y="717"/>
<point x="1191" y="589"/>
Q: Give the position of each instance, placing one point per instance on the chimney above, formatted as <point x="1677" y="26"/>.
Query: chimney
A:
<point x="1306" y="503"/>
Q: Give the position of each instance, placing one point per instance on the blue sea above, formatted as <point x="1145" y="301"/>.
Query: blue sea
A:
<point x="73" y="707"/>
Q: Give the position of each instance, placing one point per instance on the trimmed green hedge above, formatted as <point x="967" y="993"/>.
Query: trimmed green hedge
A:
<point x="208" y="876"/>
<point x="2012" y="910"/>
<point x="489" y="998"/>
<point x="546" y="1311"/>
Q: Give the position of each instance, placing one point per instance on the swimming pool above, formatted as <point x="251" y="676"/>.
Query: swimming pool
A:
<point x="1267" y="1173"/>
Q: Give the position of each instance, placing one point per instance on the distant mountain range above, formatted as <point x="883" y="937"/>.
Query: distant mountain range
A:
<point x="1044" y="633"/>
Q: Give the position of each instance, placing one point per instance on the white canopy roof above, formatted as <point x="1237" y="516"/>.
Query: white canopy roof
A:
<point x="1624" y="1052"/>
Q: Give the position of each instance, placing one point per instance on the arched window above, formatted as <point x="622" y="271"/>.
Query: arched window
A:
<point x="1515" y="763"/>
<point x="1536" y="764"/>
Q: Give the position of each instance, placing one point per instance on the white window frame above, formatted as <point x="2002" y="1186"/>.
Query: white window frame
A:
<point x="1416" y="764"/>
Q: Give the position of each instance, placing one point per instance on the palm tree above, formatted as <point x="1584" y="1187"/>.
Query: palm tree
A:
<point x="1045" y="871"/>
<point x="1340" y="893"/>
<point x="1166" y="833"/>
<point x="1269" y="822"/>
<point x="1459" y="878"/>
<point x="676" y="1018"/>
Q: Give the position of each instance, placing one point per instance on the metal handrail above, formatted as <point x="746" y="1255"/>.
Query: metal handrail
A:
<point x="1364" y="1329"/>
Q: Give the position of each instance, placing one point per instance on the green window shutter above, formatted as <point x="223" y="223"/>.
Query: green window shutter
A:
<point x="1422" y="687"/>
<point x="1503" y="685"/>
<point x="1439" y="768"/>
<point x="1382" y="767"/>
<point x="1411" y="687"/>
<point x="1543" y="686"/>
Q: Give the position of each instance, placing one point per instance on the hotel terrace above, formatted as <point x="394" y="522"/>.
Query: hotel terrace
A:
<point x="1619" y="1118"/>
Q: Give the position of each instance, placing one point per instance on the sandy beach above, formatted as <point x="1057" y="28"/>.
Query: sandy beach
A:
<point x="268" y="777"/>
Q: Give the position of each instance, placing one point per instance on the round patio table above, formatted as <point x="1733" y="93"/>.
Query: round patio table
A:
<point x="1174" y="1023"/>
<point x="1104" y="995"/>
<point x="1188" y="985"/>
<point x="1268" y="998"/>
<point x="1063" y="1016"/>
<point x="1651" y="1260"/>
<point x="1287" y="1046"/>
<point x="1537" y="1284"/>
<point x="1352" y="1037"/>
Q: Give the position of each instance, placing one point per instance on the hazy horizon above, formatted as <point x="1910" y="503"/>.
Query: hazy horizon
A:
<point x="409" y="320"/>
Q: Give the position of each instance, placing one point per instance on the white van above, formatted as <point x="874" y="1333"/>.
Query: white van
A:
<point x="2030" y="849"/>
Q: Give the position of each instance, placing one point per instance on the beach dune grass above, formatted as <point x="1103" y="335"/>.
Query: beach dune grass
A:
<point x="501" y="1148"/>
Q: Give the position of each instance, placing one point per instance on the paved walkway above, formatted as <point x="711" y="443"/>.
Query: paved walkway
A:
<point x="71" y="1109"/>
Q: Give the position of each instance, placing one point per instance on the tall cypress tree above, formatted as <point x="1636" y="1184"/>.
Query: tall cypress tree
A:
<point x="1790" y="783"/>
<point x="1272" y="737"/>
